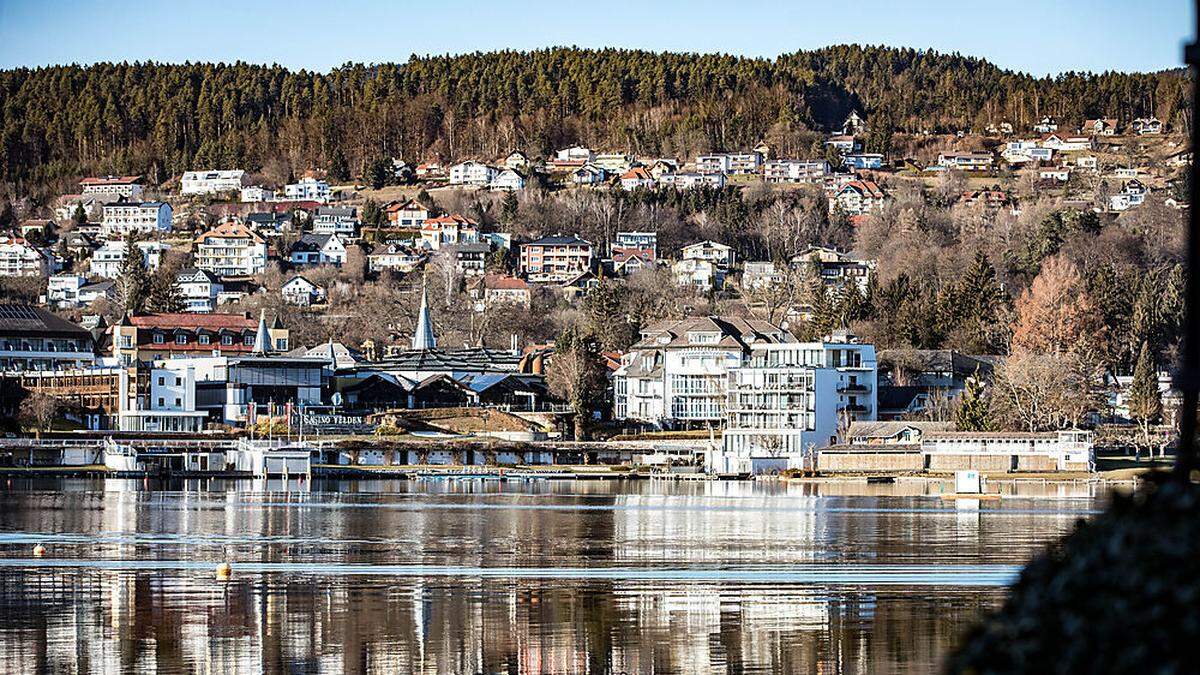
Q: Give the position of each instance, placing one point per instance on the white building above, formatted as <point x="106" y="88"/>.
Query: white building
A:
<point x="576" y="153"/>
<point x="129" y="187"/>
<point x="508" y="180"/>
<point x="339" y="220"/>
<point x="307" y="189"/>
<point x="121" y="218"/>
<point x="211" y="182"/>
<point x="730" y="163"/>
<point x="169" y="404"/>
<point x="107" y="260"/>
<point x="795" y="171"/>
<point x="1132" y="194"/>
<point x="691" y="180"/>
<point x="68" y="291"/>
<point x="395" y="256"/>
<point x="472" y="172"/>
<point x="256" y="193"/>
<point x="231" y="249"/>
<point x="701" y="275"/>
<point x="19" y="258"/>
<point x="198" y="290"/>
<point x="301" y="292"/>
<point x="792" y="399"/>
<point x="318" y="249"/>
<point x="860" y="196"/>
<point x="676" y="375"/>
<point x="718" y="254"/>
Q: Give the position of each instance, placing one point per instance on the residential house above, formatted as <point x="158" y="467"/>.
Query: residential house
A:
<point x="1046" y="125"/>
<point x="339" y="220"/>
<point x="129" y="187"/>
<point x="395" y="256"/>
<point x="854" y="124"/>
<point x="1147" y="125"/>
<point x="691" y="180"/>
<point x="211" y="182"/>
<point x="701" y="275"/>
<point x="471" y="259"/>
<point x="575" y="155"/>
<point x="271" y="222"/>
<point x="1055" y="174"/>
<point x="627" y="260"/>
<point x="254" y="194"/>
<point x="430" y="171"/>
<point x="859" y="161"/>
<point x="589" y="174"/>
<point x="318" y="249"/>
<point x="1064" y="143"/>
<point x="637" y="177"/>
<point x="497" y="289"/>
<point x="107" y="260"/>
<point x="718" y="254"/>
<point x="760" y="274"/>
<point x="613" y="162"/>
<point x="508" y="180"/>
<point x="844" y="144"/>
<point x="730" y="163"/>
<point x="448" y="230"/>
<point x="308" y="189"/>
<point x="302" y="292"/>
<point x="795" y="171"/>
<point x="966" y="161"/>
<point x="33" y="339"/>
<point x="1105" y="126"/>
<point x="792" y="398"/>
<point x="230" y="249"/>
<point x="93" y="206"/>
<point x="1133" y="193"/>
<point x="556" y="258"/>
<point x="834" y="268"/>
<point x="71" y="291"/>
<point x="198" y="289"/>
<point x="860" y="196"/>
<point x="676" y="375"/>
<point x="516" y="160"/>
<point x="19" y="258"/>
<point x="409" y="214"/>
<point x="472" y="172"/>
<point x="122" y="217"/>
<point x="1020" y="152"/>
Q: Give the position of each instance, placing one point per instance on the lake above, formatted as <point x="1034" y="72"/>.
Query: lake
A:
<point x="475" y="576"/>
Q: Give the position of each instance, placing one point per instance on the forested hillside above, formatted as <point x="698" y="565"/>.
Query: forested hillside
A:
<point x="159" y="120"/>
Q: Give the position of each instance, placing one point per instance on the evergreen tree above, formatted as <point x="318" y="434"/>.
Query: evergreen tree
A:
<point x="80" y="216"/>
<point x="371" y="213"/>
<point x="973" y="412"/>
<point x="339" y="170"/>
<point x="1145" y="401"/>
<point x="133" y="283"/>
<point x="164" y="295"/>
<point x="381" y="173"/>
<point x="426" y="200"/>
<point x="508" y="209"/>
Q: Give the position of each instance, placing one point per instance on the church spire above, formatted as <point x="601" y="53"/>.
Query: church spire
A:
<point x="423" y="338"/>
<point x="262" y="338"/>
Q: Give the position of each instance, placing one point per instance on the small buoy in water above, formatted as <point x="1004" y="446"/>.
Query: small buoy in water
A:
<point x="39" y="551"/>
<point x="224" y="570"/>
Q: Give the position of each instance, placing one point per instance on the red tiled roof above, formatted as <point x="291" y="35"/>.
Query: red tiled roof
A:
<point x="452" y="219"/>
<point x="170" y="321"/>
<point x="231" y="229"/>
<point x="504" y="283"/>
<point x="637" y="172"/>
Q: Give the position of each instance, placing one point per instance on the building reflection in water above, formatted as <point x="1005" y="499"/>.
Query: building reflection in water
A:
<point x="171" y="620"/>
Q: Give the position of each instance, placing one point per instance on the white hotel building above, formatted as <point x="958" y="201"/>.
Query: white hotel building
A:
<point x="122" y="217"/>
<point x="211" y="182"/>
<point x="676" y="375"/>
<point x="793" y="398"/>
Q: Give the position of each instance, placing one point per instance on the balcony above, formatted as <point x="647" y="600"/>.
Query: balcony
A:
<point x="853" y="389"/>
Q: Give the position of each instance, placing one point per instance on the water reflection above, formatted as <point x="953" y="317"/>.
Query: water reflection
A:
<point x="175" y="618"/>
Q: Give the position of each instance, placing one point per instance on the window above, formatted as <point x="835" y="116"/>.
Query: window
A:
<point x="159" y="338"/>
<point x="204" y="339"/>
<point x="226" y="339"/>
<point x="160" y="381"/>
<point x="181" y="339"/>
<point x="248" y="340"/>
<point x="178" y="402"/>
<point x="160" y="402"/>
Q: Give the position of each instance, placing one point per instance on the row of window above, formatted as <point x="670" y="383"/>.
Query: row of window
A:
<point x="203" y="339"/>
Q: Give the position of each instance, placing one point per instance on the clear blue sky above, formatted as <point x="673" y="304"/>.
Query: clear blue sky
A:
<point x="1035" y="36"/>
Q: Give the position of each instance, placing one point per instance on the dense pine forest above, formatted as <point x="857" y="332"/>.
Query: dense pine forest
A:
<point x="160" y="120"/>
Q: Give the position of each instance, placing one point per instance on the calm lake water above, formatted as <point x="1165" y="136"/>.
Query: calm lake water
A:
<point x="472" y="576"/>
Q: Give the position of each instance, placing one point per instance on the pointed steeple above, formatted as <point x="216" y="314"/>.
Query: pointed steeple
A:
<point x="423" y="338"/>
<point x="262" y="337"/>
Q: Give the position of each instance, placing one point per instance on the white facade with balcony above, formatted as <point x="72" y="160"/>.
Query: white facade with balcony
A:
<point x="794" y="398"/>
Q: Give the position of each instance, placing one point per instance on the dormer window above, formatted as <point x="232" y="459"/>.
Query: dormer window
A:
<point x="703" y="338"/>
<point x="159" y="338"/>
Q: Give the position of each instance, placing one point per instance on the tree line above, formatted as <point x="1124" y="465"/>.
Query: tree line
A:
<point x="162" y="119"/>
